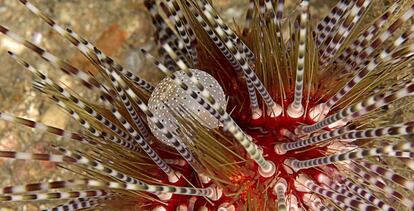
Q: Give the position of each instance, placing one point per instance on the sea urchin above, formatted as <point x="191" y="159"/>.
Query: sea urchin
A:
<point x="279" y="115"/>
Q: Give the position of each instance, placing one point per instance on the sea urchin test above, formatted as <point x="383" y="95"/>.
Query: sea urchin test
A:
<point x="167" y="96"/>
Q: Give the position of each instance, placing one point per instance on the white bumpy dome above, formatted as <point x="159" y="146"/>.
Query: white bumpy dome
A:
<point x="167" y="96"/>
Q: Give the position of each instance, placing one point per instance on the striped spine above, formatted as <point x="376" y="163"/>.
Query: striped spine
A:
<point x="374" y="62"/>
<point x="83" y="45"/>
<point x="92" y="163"/>
<point x="220" y="29"/>
<point x="363" y="107"/>
<point x="280" y="189"/>
<point x="91" y="111"/>
<point x="37" y="156"/>
<point x="118" y="82"/>
<point x="295" y="109"/>
<point x="313" y="201"/>
<point x="184" y="29"/>
<point x="326" y="25"/>
<point x="389" y="175"/>
<point x="87" y="80"/>
<point x="273" y="108"/>
<point x="335" y="197"/>
<point x="368" y="196"/>
<point x="345" y="29"/>
<point x="364" y="39"/>
<point x="75" y="205"/>
<point x="53" y="196"/>
<point x="66" y="135"/>
<point x="297" y="165"/>
<point x="374" y="181"/>
<point x="94" y="131"/>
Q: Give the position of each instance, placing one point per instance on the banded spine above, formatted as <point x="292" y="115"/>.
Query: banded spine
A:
<point x="367" y="105"/>
<point x="295" y="109"/>
<point x="91" y="111"/>
<point x="297" y="165"/>
<point x="310" y="185"/>
<point x="53" y="196"/>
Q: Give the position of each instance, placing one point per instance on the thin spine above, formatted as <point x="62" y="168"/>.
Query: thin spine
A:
<point x="395" y="47"/>
<point x="400" y="41"/>
<point x="94" y="131"/>
<point x="347" y="134"/>
<point x="95" y="164"/>
<point x="211" y="14"/>
<point x="394" y="130"/>
<point x="138" y="122"/>
<point x="273" y="108"/>
<point x="225" y="51"/>
<point x="44" y="186"/>
<point x="84" y="46"/>
<point x="332" y="29"/>
<point x="208" y="192"/>
<point x="58" y="208"/>
<point x="131" y="112"/>
<point x="341" y="190"/>
<point x="177" y="38"/>
<point x="67" y="157"/>
<point x="143" y="131"/>
<point x="314" y="139"/>
<point x="163" y="32"/>
<point x="345" y="192"/>
<point x="296" y="109"/>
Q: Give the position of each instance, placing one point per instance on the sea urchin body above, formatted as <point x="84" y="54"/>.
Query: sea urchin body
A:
<point x="280" y="115"/>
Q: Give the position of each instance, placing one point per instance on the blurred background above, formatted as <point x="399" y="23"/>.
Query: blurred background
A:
<point x="118" y="27"/>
